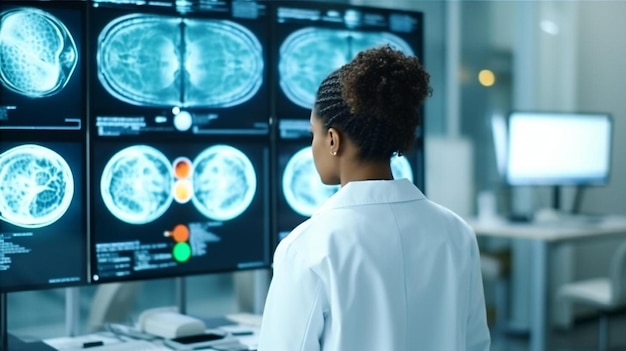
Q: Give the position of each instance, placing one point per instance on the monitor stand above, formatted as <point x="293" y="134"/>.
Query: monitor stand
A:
<point x="4" y="334"/>
<point x="181" y="295"/>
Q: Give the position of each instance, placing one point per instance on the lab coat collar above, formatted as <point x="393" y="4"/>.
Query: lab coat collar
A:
<point x="372" y="192"/>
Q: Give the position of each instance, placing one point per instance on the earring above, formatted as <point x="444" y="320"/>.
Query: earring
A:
<point x="334" y="153"/>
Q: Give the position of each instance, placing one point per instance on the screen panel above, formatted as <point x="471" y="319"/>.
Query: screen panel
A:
<point x="313" y="39"/>
<point x="42" y="70"/>
<point x="43" y="215"/>
<point x="554" y="149"/>
<point x="43" y="226"/>
<point x="179" y="208"/>
<point x="170" y="70"/>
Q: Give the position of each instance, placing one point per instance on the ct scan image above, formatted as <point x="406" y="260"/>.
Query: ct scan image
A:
<point x="157" y="60"/>
<point x="38" y="53"/>
<point x="308" y="55"/>
<point x="36" y="186"/>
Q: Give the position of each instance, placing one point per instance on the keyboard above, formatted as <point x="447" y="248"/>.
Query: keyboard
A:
<point x="130" y="345"/>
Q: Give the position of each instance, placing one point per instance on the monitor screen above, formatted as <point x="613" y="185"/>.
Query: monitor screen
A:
<point x="300" y="190"/>
<point x="164" y="209"/>
<point x="558" y="148"/>
<point x="168" y="69"/>
<point x="43" y="216"/>
<point x="42" y="69"/>
<point x="312" y="39"/>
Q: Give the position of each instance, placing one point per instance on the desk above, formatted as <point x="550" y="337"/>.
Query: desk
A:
<point x="543" y="237"/>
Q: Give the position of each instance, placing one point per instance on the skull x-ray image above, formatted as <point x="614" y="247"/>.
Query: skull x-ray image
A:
<point x="37" y="52"/>
<point x="36" y="186"/>
<point x="150" y="60"/>
<point x="136" y="184"/>
<point x="308" y="55"/>
<point x="224" y="182"/>
<point x="303" y="189"/>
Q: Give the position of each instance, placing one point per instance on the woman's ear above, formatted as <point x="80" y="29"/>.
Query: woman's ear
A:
<point x="334" y="140"/>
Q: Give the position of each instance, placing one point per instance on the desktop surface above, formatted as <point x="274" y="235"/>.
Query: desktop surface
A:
<point x="563" y="227"/>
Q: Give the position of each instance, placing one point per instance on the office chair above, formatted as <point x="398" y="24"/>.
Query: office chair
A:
<point x="604" y="293"/>
<point x="112" y="302"/>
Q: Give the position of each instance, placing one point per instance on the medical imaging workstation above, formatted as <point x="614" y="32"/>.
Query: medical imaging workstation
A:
<point x="160" y="139"/>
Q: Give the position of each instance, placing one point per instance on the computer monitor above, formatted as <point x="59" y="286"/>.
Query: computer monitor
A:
<point x="558" y="149"/>
<point x="300" y="191"/>
<point x="174" y="68"/>
<point x="43" y="216"/>
<point x="312" y="39"/>
<point x="171" y="209"/>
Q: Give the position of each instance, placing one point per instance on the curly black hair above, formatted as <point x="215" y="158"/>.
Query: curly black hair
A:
<point x="375" y="99"/>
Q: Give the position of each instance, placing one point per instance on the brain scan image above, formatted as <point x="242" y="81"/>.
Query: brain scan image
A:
<point x="136" y="184"/>
<point x="149" y="60"/>
<point x="302" y="186"/>
<point x="401" y="168"/>
<point x="37" y="52"/>
<point x="36" y="186"/>
<point x="308" y="55"/>
<point x="224" y="182"/>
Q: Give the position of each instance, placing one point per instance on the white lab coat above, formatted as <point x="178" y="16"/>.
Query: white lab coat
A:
<point x="378" y="268"/>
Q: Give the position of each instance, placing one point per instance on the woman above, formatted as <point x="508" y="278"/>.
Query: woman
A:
<point x="379" y="267"/>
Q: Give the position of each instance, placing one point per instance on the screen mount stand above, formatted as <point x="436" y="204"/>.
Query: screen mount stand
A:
<point x="72" y="311"/>
<point x="4" y="334"/>
<point x="181" y="294"/>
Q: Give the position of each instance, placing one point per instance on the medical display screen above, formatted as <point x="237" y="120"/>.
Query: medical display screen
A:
<point x="42" y="66"/>
<point x="313" y="39"/>
<point x="43" y="228"/>
<point x="169" y="69"/>
<point x="300" y="190"/>
<point x="558" y="148"/>
<point x="178" y="208"/>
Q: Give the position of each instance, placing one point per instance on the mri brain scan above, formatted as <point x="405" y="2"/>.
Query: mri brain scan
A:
<point x="307" y="56"/>
<point x="304" y="190"/>
<point x="136" y="184"/>
<point x="302" y="186"/>
<point x="224" y="182"/>
<point x="149" y="60"/>
<point x="36" y="186"/>
<point x="37" y="52"/>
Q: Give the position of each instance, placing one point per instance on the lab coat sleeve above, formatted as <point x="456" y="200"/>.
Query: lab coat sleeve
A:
<point x="477" y="338"/>
<point x="293" y="317"/>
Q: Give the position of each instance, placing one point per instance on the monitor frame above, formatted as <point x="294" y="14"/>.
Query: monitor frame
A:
<point x="260" y="205"/>
<point x="77" y="208"/>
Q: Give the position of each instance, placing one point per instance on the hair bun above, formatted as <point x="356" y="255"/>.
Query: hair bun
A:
<point x="384" y="79"/>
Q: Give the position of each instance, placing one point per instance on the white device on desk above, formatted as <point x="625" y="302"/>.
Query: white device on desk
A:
<point x="167" y="323"/>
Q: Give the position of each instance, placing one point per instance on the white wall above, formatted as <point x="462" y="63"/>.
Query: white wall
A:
<point x="602" y="87"/>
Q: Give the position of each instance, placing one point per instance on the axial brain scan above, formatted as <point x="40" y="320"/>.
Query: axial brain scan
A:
<point x="149" y="60"/>
<point x="36" y="186"/>
<point x="304" y="190"/>
<point x="37" y="52"/>
<point x="224" y="182"/>
<point x="308" y="55"/>
<point x="302" y="186"/>
<point x="136" y="184"/>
